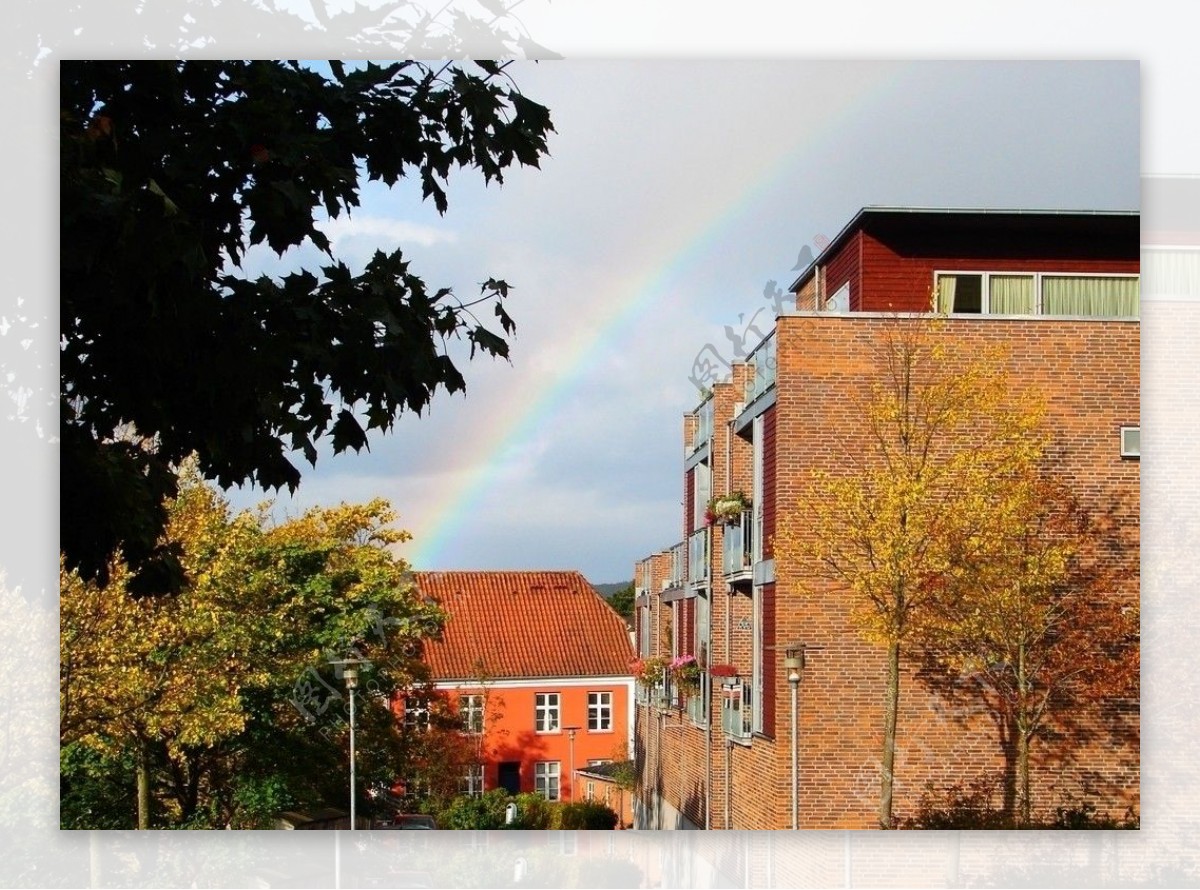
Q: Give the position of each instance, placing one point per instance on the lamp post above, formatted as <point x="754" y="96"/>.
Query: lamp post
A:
<point x="348" y="667"/>
<point x="793" y="663"/>
<point x="571" y="730"/>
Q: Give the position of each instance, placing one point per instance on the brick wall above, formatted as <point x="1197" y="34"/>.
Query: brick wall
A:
<point x="1090" y="371"/>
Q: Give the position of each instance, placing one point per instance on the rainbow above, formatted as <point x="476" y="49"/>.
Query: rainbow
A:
<point x="594" y="340"/>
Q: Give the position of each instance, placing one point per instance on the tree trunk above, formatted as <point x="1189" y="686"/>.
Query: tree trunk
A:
<point x="889" y="735"/>
<point x="1023" y="797"/>
<point x="1023" y="737"/>
<point x="143" y="786"/>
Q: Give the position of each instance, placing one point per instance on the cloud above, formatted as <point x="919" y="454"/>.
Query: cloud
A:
<point x="380" y="231"/>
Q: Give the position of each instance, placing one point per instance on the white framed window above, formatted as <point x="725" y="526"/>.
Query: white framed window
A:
<point x="546" y="711"/>
<point x="590" y="793"/>
<point x="546" y="779"/>
<point x="472" y="780"/>
<point x="416" y="714"/>
<point x="1036" y="293"/>
<point x="470" y="709"/>
<point x="599" y="712"/>
<point x="1131" y="442"/>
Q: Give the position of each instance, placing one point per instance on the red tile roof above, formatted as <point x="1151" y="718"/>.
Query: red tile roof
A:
<point x="524" y="624"/>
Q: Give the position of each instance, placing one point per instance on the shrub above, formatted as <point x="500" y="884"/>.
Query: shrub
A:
<point x="588" y="814"/>
<point x="466" y="813"/>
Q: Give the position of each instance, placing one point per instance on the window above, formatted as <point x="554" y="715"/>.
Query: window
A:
<point x="470" y="709"/>
<point x="472" y="780"/>
<point x="752" y="696"/>
<point x="1027" y="293"/>
<point x="1131" y="441"/>
<point x="416" y="715"/>
<point x="701" y="493"/>
<point x="644" y="631"/>
<point x="839" y="300"/>
<point x="590" y="794"/>
<point x="599" y="711"/>
<point x="545" y="779"/>
<point x="546" y="711"/>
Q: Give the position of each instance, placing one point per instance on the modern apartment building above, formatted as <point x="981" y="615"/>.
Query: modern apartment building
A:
<point x="1059" y="292"/>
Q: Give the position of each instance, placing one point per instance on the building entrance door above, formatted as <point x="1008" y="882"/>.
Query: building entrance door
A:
<point x="510" y="777"/>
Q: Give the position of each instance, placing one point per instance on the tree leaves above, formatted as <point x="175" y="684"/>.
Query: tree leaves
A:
<point x="209" y="678"/>
<point x="168" y="171"/>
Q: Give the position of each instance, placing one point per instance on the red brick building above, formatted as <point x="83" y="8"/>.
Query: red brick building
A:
<point x="537" y="663"/>
<point x="1060" y="292"/>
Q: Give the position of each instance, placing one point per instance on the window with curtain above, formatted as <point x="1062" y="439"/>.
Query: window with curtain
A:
<point x="1011" y="295"/>
<point x="1017" y="293"/>
<point x="1090" y="295"/>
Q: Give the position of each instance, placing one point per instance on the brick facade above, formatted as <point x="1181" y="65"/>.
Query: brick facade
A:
<point x="692" y="774"/>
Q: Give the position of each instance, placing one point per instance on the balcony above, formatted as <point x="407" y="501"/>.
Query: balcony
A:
<point x="736" y="713"/>
<point x="698" y="558"/>
<point x="703" y="429"/>
<point x="677" y="570"/>
<point x="764" y="361"/>
<point x="697" y="703"/>
<point x="738" y="549"/>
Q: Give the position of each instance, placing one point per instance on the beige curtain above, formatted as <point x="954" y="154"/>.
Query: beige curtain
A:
<point x="1092" y="295"/>
<point x="1010" y="295"/>
<point x="945" y="294"/>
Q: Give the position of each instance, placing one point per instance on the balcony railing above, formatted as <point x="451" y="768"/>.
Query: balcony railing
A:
<point x="678" y="567"/>
<point x="703" y="430"/>
<point x="736" y="713"/>
<point x="738" y="544"/>
<point x="644" y="575"/>
<point x="698" y="557"/>
<point x="764" y="361"/>
<point x="697" y="706"/>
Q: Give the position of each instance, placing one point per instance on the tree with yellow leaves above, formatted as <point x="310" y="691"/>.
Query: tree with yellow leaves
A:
<point x="208" y="689"/>
<point x="899" y="522"/>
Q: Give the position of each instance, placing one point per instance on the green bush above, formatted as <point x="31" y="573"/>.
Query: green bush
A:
<point x="534" y="812"/>
<point x="586" y="814"/>
<point x="467" y="813"/>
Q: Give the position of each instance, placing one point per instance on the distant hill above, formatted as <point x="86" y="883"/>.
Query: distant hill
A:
<point x="607" y="590"/>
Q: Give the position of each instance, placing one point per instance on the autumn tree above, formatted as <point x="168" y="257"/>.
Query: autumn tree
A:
<point x="170" y="172"/>
<point x="222" y="692"/>
<point x="898" y="523"/>
<point x="1041" y="628"/>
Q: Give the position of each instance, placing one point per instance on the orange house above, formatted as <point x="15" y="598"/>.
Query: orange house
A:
<point x="538" y="663"/>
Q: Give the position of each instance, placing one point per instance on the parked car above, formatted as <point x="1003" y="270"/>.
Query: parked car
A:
<point x="409" y="822"/>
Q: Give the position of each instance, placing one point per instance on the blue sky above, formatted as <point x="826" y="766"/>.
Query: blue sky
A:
<point x="674" y="193"/>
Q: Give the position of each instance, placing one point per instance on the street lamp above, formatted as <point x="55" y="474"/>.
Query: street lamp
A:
<point x="348" y="668"/>
<point x="571" y="730"/>
<point x="793" y="663"/>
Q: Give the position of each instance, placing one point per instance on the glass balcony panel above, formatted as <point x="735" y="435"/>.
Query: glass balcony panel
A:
<point x="763" y="360"/>
<point x="737" y="556"/>
<point x="698" y="556"/>
<point x="704" y="425"/>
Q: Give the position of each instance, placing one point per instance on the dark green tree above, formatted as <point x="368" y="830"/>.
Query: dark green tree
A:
<point x="170" y="171"/>
<point x="622" y="602"/>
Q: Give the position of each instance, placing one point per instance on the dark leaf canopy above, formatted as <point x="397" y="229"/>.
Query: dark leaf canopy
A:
<point x="169" y="172"/>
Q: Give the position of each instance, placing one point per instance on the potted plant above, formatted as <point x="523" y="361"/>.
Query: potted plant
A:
<point x="685" y="673"/>
<point x="648" y="671"/>
<point x="727" y="508"/>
